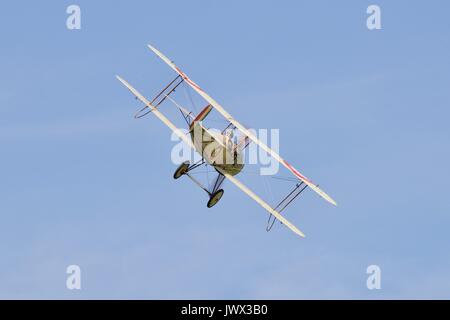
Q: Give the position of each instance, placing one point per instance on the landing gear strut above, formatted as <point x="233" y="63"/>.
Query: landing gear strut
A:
<point x="215" y="194"/>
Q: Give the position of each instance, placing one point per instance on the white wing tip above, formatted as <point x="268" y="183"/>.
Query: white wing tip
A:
<point x="152" y="48"/>
<point x="119" y="78"/>
<point x="123" y="81"/>
<point x="324" y="195"/>
<point x="329" y="199"/>
<point x="294" y="228"/>
<point x="333" y="202"/>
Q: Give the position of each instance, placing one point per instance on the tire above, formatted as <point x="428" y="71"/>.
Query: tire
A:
<point x="182" y="169"/>
<point x="214" y="198"/>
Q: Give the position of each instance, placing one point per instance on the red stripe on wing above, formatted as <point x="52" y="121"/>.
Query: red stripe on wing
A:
<point x="185" y="77"/>
<point x="298" y="174"/>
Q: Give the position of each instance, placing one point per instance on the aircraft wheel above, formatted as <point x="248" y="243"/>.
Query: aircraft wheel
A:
<point x="214" y="198"/>
<point x="182" y="169"/>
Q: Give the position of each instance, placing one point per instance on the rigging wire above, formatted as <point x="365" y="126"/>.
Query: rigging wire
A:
<point x="271" y="219"/>
<point x="207" y="175"/>
<point x="188" y="95"/>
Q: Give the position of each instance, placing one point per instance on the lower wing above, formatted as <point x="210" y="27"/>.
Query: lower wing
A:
<point x="244" y="130"/>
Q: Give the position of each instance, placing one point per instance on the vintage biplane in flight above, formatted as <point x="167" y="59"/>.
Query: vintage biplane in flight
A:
<point x="216" y="149"/>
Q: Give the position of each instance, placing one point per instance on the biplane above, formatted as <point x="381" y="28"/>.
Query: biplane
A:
<point x="218" y="150"/>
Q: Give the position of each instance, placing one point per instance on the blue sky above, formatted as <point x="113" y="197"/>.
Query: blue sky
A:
<point x="364" y="113"/>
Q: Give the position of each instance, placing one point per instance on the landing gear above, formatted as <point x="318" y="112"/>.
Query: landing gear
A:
<point x="214" y="198"/>
<point x="182" y="169"/>
<point x="215" y="193"/>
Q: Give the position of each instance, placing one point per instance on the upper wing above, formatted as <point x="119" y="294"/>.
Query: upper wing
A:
<point x="244" y="130"/>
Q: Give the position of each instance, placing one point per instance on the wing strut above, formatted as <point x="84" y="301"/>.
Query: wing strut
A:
<point x="262" y="203"/>
<point x="156" y="112"/>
